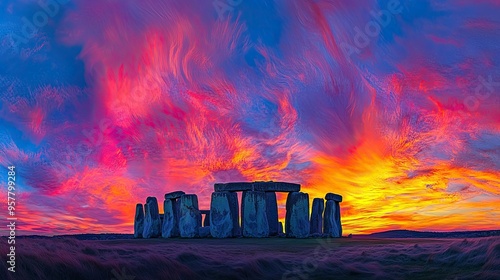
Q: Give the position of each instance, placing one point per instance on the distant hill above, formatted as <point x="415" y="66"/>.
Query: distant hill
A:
<point x="430" y="234"/>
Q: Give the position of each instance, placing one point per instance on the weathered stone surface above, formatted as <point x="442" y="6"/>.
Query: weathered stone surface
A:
<point x="138" y="221"/>
<point x="253" y="214"/>
<point x="272" y="213"/>
<point x="334" y="197"/>
<point x="276" y="187"/>
<point x="235" y="211"/>
<point x="189" y="216"/>
<point x="257" y="186"/>
<point x="233" y="187"/>
<point x="174" y="195"/>
<point x="152" y="225"/>
<point x="204" y="231"/>
<point x="337" y="218"/>
<point x="170" y="225"/>
<point x="331" y="226"/>
<point x="224" y="214"/>
<point x="297" y="215"/>
<point x="317" y="216"/>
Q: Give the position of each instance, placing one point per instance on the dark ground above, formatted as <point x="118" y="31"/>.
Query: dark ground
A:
<point x="272" y="258"/>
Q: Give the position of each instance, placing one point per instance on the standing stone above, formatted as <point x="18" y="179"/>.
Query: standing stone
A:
<point x="170" y="226"/>
<point x="331" y="224"/>
<point x="272" y="213"/>
<point x="138" y="221"/>
<point x="224" y="214"/>
<point x="317" y="216"/>
<point x="297" y="215"/>
<point x="152" y="225"/>
<point x="280" y="228"/>
<point x="235" y="211"/>
<point x="337" y="218"/>
<point x="253" y="214"/>
<point x="189" y="216"/>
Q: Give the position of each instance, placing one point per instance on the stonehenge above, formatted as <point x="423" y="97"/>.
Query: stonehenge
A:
<point x="182" y="217"/>
<point x="317" y="216"/>
<point x="224" y="220"/>
<point x="189" y="216"/>
<point x="272" y="213"/>
<point x="297" y="215"/>
<point x="254" y="221"/>
<point x="332" y="226"/>
<point x="138" y="221"/>
<point x="152" y="226"/>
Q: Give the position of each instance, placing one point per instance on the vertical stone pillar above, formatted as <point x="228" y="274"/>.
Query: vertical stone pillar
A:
<point x="272" y="213"/>
<point x="170" y="226"/>
<point x="152" y="225"/>
<point x="297" y="215"/>
<point x="189" y="216"/>
<point x="332" y="225"/>
<point x="138" y="221"/>
<point x="317" y="216"/>
<point x="253" y="214"/>
<point x="224" y="214"/>
<point x="235" y="211"/>
<point x="337" y="217"/>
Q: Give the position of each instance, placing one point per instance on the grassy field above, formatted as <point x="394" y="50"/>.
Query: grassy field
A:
<point x="271" y="258"/>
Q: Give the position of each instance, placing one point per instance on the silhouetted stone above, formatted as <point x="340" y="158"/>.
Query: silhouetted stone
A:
<point x="272" y="213"/>
<point x="257" y="186"/>
<point x="276" y="187"/>
<point x="152" y="225"/>
<point x="224" y="214"/>
<point x="331" y="226"/>
<point x="233" y="187"/>
<point x="317" y="216"/>
<point x="280" y="228"/>
<point x="337" y="218"/>
<point x="253" y="214"/>
<point x="138" y="221"/>
<point x="174" y="195"/>
<point x="297" y="215"/>
<point x="204" y="231"/>
<point x="170" y="225"/>
<point x="189" y="215"/>
<point x="334" y="197"/>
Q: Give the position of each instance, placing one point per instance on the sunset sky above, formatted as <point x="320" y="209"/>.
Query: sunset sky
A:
<point x="109" y="102"/>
